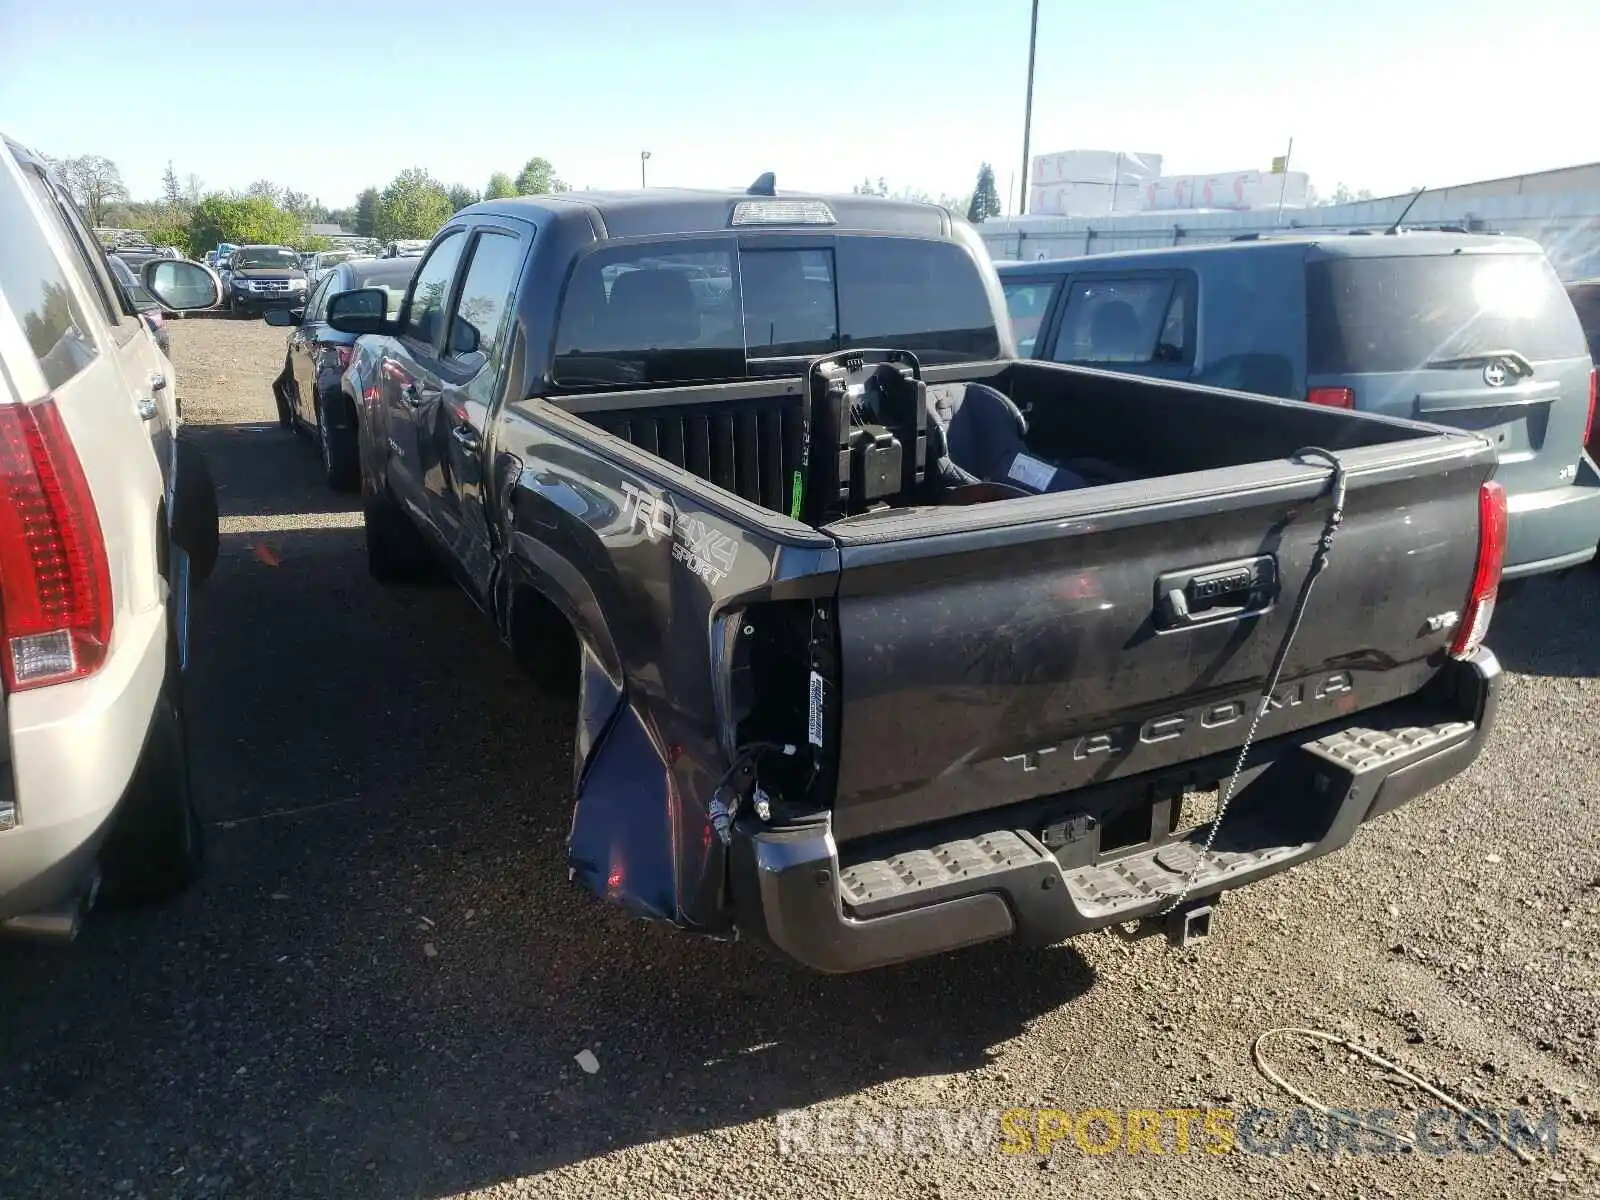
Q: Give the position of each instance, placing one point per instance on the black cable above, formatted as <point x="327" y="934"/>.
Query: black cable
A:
<point x="1338" y="486"/>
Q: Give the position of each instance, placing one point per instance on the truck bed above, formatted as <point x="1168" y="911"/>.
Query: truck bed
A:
<point x="993" y="653"/>
<point x="1018" y="667"/>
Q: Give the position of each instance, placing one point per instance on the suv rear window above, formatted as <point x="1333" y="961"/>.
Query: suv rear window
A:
<point x="682" y="311"/>
<point x="1398" y="314"/>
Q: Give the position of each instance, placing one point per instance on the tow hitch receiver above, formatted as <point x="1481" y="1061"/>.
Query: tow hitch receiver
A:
<point x="1189" y="924"/>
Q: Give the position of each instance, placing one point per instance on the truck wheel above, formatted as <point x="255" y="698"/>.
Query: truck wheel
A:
<point x="396" y="552"/>
<point x="340" y="465"/>
<point x="156" y="845"/>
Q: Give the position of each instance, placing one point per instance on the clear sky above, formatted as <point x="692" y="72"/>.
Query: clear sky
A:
<point x="329" y="97"/>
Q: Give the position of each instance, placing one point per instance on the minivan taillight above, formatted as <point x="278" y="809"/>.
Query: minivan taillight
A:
<point x="55" y="584"/>
<point x="1486" y="578"/>
<point x="1332" y="397"/>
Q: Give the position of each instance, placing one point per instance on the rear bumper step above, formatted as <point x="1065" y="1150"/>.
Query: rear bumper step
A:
<point x="792" y="893"/>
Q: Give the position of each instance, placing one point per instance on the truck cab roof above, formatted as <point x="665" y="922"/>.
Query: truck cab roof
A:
<point x="656" y="211"/>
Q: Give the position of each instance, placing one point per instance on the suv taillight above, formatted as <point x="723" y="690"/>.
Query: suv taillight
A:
<point x="344" y="354"/>
<point x="55" y="584"/>
<point x="1486" y="578"/>
<point x="1332" y="397"/>
<point x="1591" y="437"/>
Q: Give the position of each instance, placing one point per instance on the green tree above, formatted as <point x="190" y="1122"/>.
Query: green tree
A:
<point x="171" y="232"/>
<point x="366" y="218"/>
<point x="265" y="189"/>
<point x="985" y="199"/>
<point x="242" y="221"/>
<point x="500" y="187"/>
<point x="414" y="205"/>
<point x="301" y="205"/>
<point x="461" y="196"/>
<point x="538" y="178"/>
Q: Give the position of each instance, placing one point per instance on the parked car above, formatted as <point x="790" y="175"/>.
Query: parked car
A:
<point x="320" y="263"/>
<point x="137" y="256"/>
<point x="307" y="391"/>
<point x="871" y="665"/>
<point x="405" y="248"/>
<point x="106" y="518"/>
<point x="265" y="277"/>
<point x="1467" y="330"/>
<point x="146" y="305"/>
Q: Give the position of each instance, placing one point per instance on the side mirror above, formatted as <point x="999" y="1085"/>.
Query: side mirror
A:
<point x="181" y="285"/>
<point x="463" y="336"/>
<point x="363" y="311"/>
<point x="284" y="316"/>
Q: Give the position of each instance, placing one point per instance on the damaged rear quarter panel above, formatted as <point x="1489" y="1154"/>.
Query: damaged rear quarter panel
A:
<point x="642" y="558"/>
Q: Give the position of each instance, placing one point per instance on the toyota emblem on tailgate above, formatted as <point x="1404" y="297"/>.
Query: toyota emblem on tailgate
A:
<point x="1496" y="373"/>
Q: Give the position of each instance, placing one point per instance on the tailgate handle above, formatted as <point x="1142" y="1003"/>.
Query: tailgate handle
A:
<point x="1220" y="592"/>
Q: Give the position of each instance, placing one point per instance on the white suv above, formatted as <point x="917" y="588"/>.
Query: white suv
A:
<point x="104" y="517"/>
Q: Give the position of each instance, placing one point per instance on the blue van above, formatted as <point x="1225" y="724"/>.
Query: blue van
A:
<point x="1474" y="331"/>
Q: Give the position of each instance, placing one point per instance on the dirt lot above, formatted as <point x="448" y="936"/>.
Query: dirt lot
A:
<point x="379" y="988"/>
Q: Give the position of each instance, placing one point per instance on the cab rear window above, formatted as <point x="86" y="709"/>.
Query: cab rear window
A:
<point x="706" y="309"/>
<point x="1368" y="315"/>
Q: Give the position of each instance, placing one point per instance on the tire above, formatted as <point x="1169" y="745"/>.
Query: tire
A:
<point x="285" y="413"/>
<point x="195" y="525"/>
<point x="341" y="467"/>
<point x="156" y="846"/>
<point x="396" y="552"/>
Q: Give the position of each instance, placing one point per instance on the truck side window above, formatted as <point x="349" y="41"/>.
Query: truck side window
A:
<point x="1122" y="321"/>
<point x="487" y="290"/>
<point x="36" y="289"/>
<point x="431" y="291"/>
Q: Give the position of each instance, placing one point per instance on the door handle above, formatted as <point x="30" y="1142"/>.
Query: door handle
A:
<point x="1218" y="592"/>
<point x="467" y="437"/>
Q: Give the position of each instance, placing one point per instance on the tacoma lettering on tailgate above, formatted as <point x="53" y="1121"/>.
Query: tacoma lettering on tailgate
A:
<point x="1209" y="716"/>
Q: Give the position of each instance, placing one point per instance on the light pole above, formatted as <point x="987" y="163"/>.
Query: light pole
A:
<point x="1027" y="116"/>
<point x="643" y="155"/>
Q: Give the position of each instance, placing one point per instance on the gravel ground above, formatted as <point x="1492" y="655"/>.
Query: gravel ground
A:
<point x="380" y="986"/>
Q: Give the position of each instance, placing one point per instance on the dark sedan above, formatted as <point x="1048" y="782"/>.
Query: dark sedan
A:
<point x="307" y="390"/>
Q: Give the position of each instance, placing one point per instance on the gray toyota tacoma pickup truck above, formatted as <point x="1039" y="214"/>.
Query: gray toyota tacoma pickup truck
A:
<point x="887" y="641"/>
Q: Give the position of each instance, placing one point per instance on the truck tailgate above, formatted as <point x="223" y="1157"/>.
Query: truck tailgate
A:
<point x="995" y="654"/>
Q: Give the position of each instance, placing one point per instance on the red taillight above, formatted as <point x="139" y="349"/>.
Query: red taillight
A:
<point x="1591" y="437"/>
<point x="344" y="354"/>
<point x="1332" y="397"/>
<point x="1486" y="579"/>
<point x="55" y="585"/>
